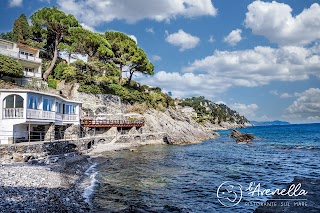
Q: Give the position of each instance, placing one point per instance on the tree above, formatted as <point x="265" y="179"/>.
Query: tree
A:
<point x="140" y="63"/>
<point x="10" y="67"/>
<point x="7" y="36"/>
<point x="53" y="25"/>
<point x="123" y="48"/>
<point x="83" y="41"/>
<point x="21" y="30"/>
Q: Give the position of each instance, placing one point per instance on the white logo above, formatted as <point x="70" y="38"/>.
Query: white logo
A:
<point x="229" y="193"/>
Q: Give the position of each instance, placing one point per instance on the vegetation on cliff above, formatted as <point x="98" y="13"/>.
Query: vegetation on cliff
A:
<point x="212" y="112"/>
<point x="10" y="67"/>
<point x="110" y="55"/>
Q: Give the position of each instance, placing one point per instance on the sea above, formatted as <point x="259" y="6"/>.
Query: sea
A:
<point x="213" y="176"/>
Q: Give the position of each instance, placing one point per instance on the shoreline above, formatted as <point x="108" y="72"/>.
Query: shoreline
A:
<point x="59" y="183"/>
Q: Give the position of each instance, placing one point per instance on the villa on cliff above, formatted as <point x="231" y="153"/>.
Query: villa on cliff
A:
<point x="27" y="56"/>
<point x="35" y="116"/>
<point x="31" y="115"/>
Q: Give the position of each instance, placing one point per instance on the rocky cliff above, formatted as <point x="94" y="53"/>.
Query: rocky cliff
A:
<point x="180" y="128"/>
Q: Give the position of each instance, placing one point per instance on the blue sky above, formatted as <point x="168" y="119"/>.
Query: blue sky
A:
<point x="261" y="58"/>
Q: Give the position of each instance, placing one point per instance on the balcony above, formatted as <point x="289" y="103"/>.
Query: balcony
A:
<point x="17" y="113"/>
<point x="17" y="55"/>
<point x="32" y="74"/>
<point x="69" y="117"/>
<point x="12" y="113"/>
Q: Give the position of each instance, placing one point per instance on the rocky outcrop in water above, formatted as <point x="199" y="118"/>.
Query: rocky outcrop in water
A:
<point x="241" y="137"/>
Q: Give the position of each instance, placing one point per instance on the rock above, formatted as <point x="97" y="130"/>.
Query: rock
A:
<point x="241" y="137"/>
<point x="17" y="157"/>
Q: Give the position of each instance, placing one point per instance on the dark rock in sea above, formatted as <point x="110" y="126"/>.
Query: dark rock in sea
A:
<point x="241" y="137"/>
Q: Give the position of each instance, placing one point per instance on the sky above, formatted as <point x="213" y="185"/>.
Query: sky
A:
<point x="261" y="58"/>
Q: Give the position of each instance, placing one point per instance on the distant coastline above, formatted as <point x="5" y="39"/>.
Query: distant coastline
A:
<point x="269" y="123"/>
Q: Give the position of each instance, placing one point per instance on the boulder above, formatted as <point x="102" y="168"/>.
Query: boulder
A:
<point x="241" y="137"/>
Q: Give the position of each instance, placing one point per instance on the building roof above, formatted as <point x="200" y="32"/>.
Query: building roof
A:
<point x="42" y="93"/>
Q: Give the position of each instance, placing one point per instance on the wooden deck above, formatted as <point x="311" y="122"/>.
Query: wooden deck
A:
<point x="111" y="123"/>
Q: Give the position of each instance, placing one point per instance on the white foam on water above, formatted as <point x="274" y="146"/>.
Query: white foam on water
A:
<point x="92" y="174"/>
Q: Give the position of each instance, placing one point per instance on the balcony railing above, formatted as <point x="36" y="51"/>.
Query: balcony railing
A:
<point x="12" y="113"/>
<point x="32" y="74"/>
<point x="15" y="54"/>
<point x="16" y="113"/>
<point x="67" y="117"/>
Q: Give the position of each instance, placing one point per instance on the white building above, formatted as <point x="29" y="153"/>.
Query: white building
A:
<point x="30" y="115"/>
<point x="26" y="55"/>
<point x="189" y="111"/>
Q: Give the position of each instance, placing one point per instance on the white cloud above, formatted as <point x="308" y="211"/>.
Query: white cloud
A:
<point x="307" y="105"/>
<point x="234" y="37"/>
<point x="211" y="39"/>
<point x="274" y="92"/>
<point x="259" y="66"/>
<point x="95" y="12"/>
<point x="134" y="38"/>
<point x="275" y="21"/>
<point x="150" y="30"/>
<point x="281" y="95"/>
<point x="286" y="95"/>
<point x="156" y="58"/>
<point x="244" y="109"/>
<point x="217" y="73"/>
<point x="88" y="27"/>
<point x="15" y="3"/>
<point x="183" y="40"/>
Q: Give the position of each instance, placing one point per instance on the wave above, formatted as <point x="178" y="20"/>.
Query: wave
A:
<point x="288" y="147"/>
<point x="91" y="173"/>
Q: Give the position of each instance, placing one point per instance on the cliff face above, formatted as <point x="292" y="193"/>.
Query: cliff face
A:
<point x="180" y="128"/>
<point x="214" y="116"/>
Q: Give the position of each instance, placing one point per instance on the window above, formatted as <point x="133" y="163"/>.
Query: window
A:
<point x="13" y="101"/>
<point x="47" y="104"/>
<point x="26" y="54"/>
<point x="33" y="102"/>
<point x="69" y="109"/>
<point x="26" y="69"/>
<point x="3" y="46"/>
<point x="58" y="107"/>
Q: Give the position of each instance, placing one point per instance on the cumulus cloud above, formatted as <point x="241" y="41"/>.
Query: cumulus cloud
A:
<point x="156" y="58"/>
<point x="234" y="37"/>
<point x="95" y="12"/>
<point x="259" y="66"/>
<point x="213" y="75"/>
<point x="183" y="40"/>
<point x="306" y="106"/>
<point x="275" y="21"/>
<point x="134" y="38"/>
<point x="15" y="3"/>
<point x="211" y="39"/>
<point x="248" y="110"/>
<point x="150" y="30"/>
<point x="281" y="95"/>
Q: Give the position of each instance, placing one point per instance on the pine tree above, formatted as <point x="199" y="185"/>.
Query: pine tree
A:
<point x="21" y="30"/>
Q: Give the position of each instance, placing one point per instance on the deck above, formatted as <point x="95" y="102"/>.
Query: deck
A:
<point x="111" y="123"/>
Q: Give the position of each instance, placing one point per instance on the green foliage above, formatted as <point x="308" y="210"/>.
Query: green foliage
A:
<point x="59" y="70"/>
<point x="95" y="89"/>
<point x="10" y="67"/>
<point x="53" y="83"/>
<point x="209" y="111"/>
<point x="21" y="30"/>
<point x="7" y="36"/>
<point x="52" y="25"/>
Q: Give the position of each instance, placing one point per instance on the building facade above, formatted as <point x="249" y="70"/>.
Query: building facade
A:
<point x="35" y="116"/>
<point x="27" y="56"/>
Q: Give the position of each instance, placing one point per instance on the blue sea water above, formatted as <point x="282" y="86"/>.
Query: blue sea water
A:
<point x="187" y="178"/>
